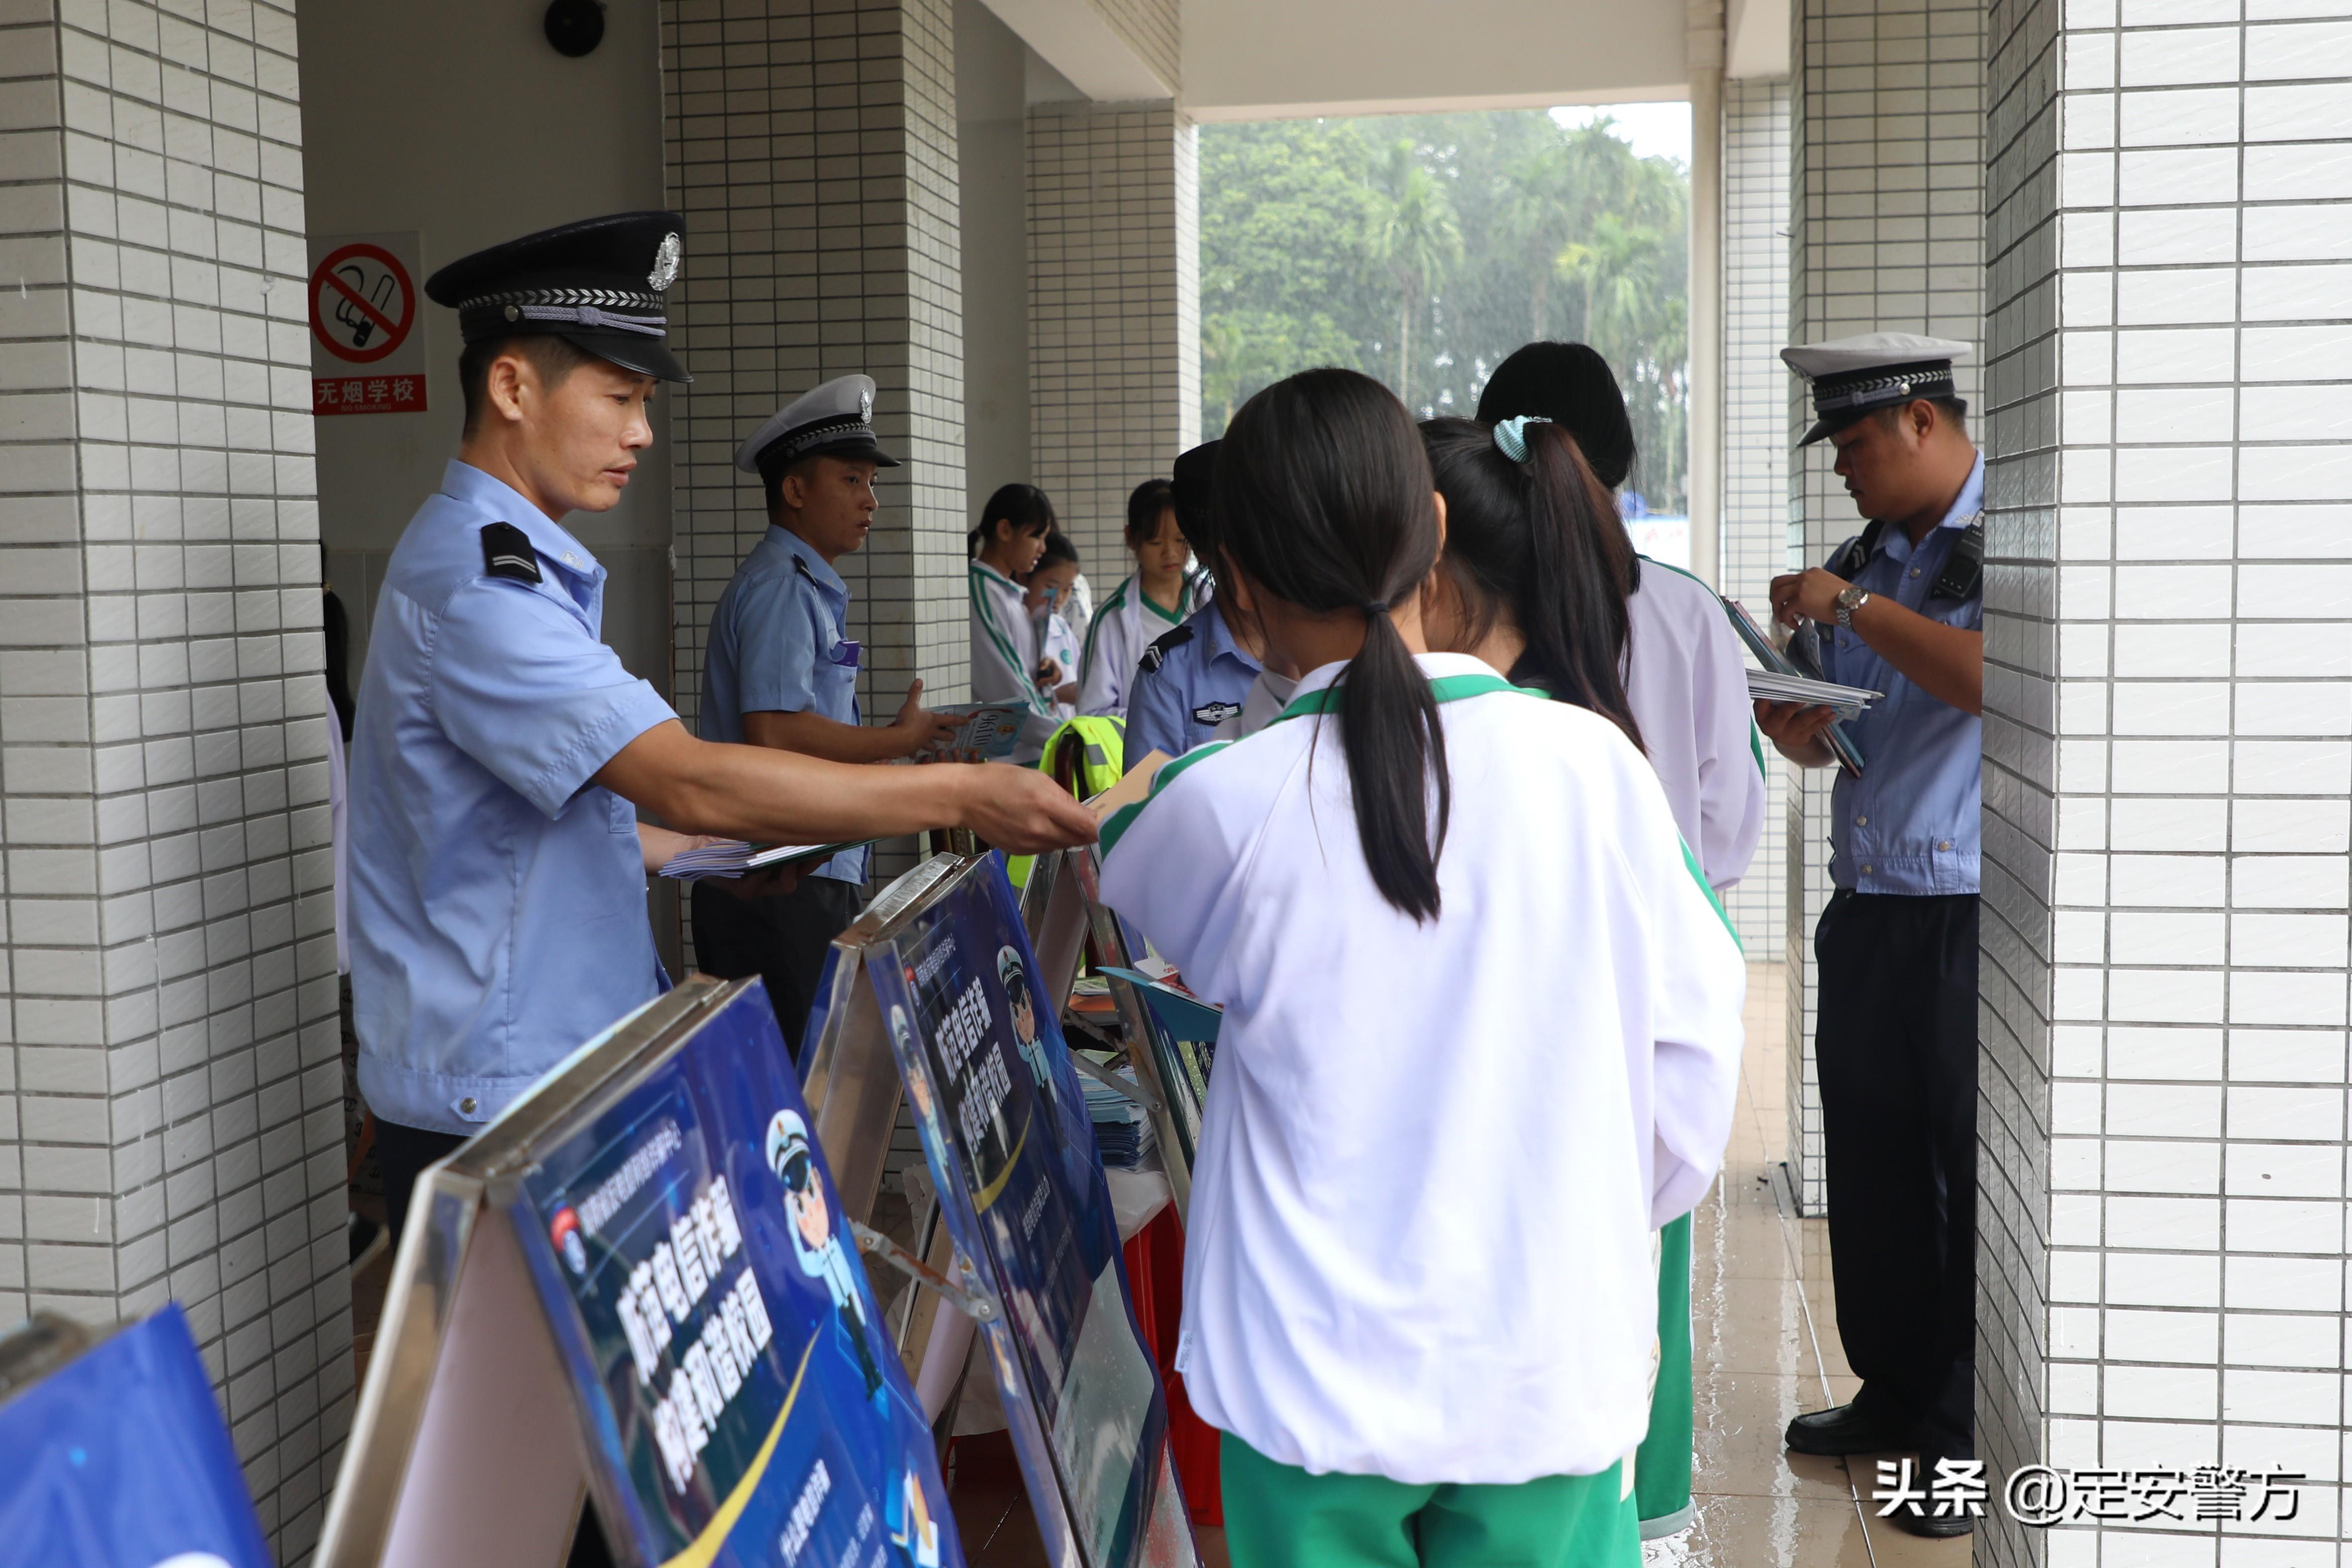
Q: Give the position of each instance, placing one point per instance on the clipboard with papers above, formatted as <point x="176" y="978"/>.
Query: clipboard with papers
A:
<point x="1795" y="676"/>
<point x="734" y="857"/>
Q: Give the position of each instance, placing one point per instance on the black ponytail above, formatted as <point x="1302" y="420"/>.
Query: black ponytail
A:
<point x="1323" y="500"/>
<point x="1541" y="541"/>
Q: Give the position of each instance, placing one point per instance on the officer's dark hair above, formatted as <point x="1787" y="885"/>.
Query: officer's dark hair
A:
<point x="1028" y="509"/>
<point x="1572" y="386"/>
<point x="1541" y="543"/>
<point x="1954" y="410"/>
<point x="555" y="358"/>
<point x="1324" y="501"/>
<point x="1150" y="501"/>
<point x="1058" y="548"/>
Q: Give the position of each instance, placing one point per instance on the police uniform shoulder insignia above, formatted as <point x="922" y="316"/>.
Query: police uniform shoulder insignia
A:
<point x="799" y="568"/>
<point x="1161" y="646"/>
<point x="507" y="552"/>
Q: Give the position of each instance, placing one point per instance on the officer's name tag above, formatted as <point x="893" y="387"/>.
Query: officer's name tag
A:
<point x="845" y="653"/>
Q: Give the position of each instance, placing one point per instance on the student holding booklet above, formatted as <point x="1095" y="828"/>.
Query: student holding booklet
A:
<point x="1475" y="1049"/>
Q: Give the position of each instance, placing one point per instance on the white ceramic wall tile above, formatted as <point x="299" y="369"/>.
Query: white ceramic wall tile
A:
<point x="1114" y="312"/>
<point x="167" y="1054"/>
<point x="1755" y="506"/>
<point x="1886" y="233"/>
<point x="2213" y="1026"/>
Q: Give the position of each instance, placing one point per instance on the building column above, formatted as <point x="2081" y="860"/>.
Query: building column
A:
<point x="811" y="147"/>
<point x="2168" y="763"/>
<point x="1755" y="413"/>
<point x="171" y="1090"/>
<point x="1887" y="234"/>
<point x="1114" y="311"/>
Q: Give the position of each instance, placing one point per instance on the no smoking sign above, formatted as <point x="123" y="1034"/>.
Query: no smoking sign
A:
<point x="366" y="354"/>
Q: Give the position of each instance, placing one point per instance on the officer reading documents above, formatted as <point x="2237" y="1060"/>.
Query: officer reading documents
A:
<point x="781" y="670"/>
<point x="501" y="752"/>
<point x="1898" y="609"/>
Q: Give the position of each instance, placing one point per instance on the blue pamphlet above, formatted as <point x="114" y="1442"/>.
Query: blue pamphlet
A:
<point x="118" y="1459"/>
<point x="1004" y="1127"/>
<point x="707" y="1297"/>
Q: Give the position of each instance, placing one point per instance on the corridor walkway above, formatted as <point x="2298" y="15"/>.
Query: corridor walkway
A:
<point x="1765" y="1348"/>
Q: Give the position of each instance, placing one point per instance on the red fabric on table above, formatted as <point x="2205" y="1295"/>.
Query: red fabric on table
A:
<point x="1155" y="1277"/>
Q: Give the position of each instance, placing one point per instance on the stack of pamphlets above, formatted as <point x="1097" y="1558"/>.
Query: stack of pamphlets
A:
<point x="733" y="856"/>
<point x="1122" y="1126"/>
<point x="988" y="733"/>
<point x="1802" y="663"/>
<point x="1771" y="686"/>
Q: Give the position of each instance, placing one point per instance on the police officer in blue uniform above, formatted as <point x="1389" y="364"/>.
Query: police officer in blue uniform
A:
<point x="781" y="670"/>
<point x="1197" y="676"/>
<point x="1898" y="609"/>
<point x="500" y="752"/>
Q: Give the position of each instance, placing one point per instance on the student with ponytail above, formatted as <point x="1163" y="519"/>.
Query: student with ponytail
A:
<point x="1482" y="1035"/>
<point x="1685" y="677"/>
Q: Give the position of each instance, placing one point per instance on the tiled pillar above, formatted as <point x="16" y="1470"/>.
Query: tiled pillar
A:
<point x="170" y="1095"/>
<point x="1114" y="311"/>
<point x="2168" y="760"/>
<point x="1755" y="430"/>
<point x="811" y="145"/>
<point x="1887" y="234"/>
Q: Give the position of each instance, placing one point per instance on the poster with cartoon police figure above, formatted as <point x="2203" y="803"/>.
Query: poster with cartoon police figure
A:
<point x="691" y="1253"/>
<point x="1005" y="1128"/>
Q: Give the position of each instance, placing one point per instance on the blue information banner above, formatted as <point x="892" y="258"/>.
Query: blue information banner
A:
<point x="1005" y="1128"/>
<point x="120" y="1460"/>
<point x="707" y="1294"/>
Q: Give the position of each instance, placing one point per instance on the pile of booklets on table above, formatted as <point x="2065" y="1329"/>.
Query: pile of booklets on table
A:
<point x="1122" y="1126"/>
<point x="733" y="856"/>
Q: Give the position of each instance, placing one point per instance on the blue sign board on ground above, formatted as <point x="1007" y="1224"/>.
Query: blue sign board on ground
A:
<point x="1004" y="1129"/>
<point x="119" y="1459"/>
<point x="706" y="1293"/>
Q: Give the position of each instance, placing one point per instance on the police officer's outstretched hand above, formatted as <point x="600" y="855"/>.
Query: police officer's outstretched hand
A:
<point x="1022" y="812"/>
<point x="918" y="729"/>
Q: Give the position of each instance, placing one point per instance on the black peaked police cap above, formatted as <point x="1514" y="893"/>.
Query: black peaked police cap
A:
<point x="599" y="284"/>
<point x="1193" y="478"/>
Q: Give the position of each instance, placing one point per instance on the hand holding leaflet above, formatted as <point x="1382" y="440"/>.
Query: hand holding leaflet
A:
<point x="1802" y="663"/>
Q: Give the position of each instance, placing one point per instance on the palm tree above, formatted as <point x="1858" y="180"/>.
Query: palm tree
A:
<point x="1417" y="238"/>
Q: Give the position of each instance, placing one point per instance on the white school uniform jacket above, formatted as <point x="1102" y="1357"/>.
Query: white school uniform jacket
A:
<point x="1004" y="642"/>
<point x="1432" y="1155"/>
<point x="1126" y="624"/>
<point x="1686" y="682"/>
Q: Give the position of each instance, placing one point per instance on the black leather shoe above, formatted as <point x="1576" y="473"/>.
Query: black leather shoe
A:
<point x="1914" y="1518"/>
<point x="1840" y="1430"/>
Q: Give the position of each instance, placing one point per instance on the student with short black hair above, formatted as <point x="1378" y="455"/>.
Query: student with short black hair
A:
<point x="1482" y="1037"/>
<point x="1154" y="601"/>
<point x="1049" y="596"/>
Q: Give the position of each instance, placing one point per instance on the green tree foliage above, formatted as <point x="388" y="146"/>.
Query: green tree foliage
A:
<point x="1421" y="249"/>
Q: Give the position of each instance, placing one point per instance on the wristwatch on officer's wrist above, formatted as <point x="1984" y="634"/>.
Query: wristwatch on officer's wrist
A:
<point x="1850" y="599"/>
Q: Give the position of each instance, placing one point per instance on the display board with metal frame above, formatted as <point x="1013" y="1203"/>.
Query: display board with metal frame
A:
<point x="638" y="1286"/>
<point x="1026" y="1226"/>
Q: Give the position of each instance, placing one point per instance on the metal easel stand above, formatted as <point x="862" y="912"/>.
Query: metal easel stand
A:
<point x="971" y="1303"/>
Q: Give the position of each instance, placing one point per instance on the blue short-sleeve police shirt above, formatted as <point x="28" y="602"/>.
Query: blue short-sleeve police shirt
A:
<point x="1910" y="823"/>
<point x="779" y="645"/>
<point x="497" y="896"/>
<point x="1197" y="685"/>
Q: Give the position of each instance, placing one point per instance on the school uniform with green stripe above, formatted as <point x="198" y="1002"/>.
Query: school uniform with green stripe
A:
<point x="1003" y="641"/>
<point x="1433" y="1153"/>
<point x="1128" y="622"/>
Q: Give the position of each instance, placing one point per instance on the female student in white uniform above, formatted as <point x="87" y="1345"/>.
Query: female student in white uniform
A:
<point x="1007" y="665"/>
<point x="1684" y="676"/>
<point x="1046" y="598"/>
<point x="1153" y="601"/>
<point x="1471" y="1057"/>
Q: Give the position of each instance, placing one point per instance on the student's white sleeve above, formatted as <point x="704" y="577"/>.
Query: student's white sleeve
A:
<point x="1700" y="982"/>
<point x="996" y="676"/>
<point x="1165" y="867"/>
<point x="1102" y="680"/>
<point x="1730" y="758"/>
